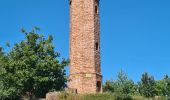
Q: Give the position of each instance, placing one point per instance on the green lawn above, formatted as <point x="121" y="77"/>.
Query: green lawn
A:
<point x="104" y="96"/>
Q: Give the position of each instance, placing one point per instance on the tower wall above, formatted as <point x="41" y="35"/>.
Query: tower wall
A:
<point x="85" y="73"/>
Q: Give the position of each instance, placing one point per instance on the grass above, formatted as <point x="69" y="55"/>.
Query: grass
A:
<point x="103" y="96"/>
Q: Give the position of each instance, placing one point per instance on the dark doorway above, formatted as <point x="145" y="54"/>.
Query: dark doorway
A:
<point x="98" y="84"/>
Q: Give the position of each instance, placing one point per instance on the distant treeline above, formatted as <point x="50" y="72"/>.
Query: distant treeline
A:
<point x="147" y="86"/>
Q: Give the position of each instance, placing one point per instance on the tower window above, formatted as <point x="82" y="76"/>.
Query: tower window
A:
<point x="96" y="9"/>
<point x="70" y="2"/>
<point x="97" y="46"/>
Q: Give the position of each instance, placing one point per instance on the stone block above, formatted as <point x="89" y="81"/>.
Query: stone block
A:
<point x="53" y="96"/>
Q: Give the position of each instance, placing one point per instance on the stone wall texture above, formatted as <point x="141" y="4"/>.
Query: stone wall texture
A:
<point x="85" y="72"/>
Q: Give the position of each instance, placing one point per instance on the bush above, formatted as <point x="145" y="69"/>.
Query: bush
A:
<point x="120" y="86"/>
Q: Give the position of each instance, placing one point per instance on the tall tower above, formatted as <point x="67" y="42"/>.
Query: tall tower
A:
<point x="85" y="73"/>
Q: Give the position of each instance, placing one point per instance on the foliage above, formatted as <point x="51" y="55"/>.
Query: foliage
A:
<point x="147" y="86"/>
<point x="109" y="86"/>
<point x="2" y="60"/>
<point x="121" y="86"/>
<point x="161" y="87"/>
<point x="5" y="92"/>
<point x="167" y="85"/>
<point x="32" y="68"/>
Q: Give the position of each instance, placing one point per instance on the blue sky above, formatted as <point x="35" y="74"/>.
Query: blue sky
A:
<point x="135" y="34"/>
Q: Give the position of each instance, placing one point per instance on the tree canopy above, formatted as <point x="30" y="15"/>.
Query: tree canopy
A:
<point x="32" y="67"/>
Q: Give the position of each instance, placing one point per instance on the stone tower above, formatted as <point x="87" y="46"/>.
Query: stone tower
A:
<point x="85" y="73"/>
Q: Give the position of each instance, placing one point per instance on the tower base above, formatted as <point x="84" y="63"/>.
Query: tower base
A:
<point x="86" y="83"/>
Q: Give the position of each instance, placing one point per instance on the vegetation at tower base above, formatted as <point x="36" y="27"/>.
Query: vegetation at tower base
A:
<point x="31" y="68"/>
<point x="147" y="86"/>
<point x="103" y="96"/>
<point x="123" y="88"/>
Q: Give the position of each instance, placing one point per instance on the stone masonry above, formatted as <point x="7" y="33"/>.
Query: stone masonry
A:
<point x="85" y="73"/>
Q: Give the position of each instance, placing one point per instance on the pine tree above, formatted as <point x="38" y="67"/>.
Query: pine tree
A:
<point x="147" y="86"/>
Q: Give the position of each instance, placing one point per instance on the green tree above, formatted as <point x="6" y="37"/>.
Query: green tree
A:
<point x="160" y="87"/>
<point x="5" y="90"/>
<point x="1" y="67"/>
<point x="163" y="86"/>
<point x="1" y="58"/>
<point x="121" y="86"/>
<point x="167" y="85"/>
<point x="1" y="62"/>
<point x="147" y="86"/>
<point x="33" y="68"/>
<point x="108" y="86"/>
